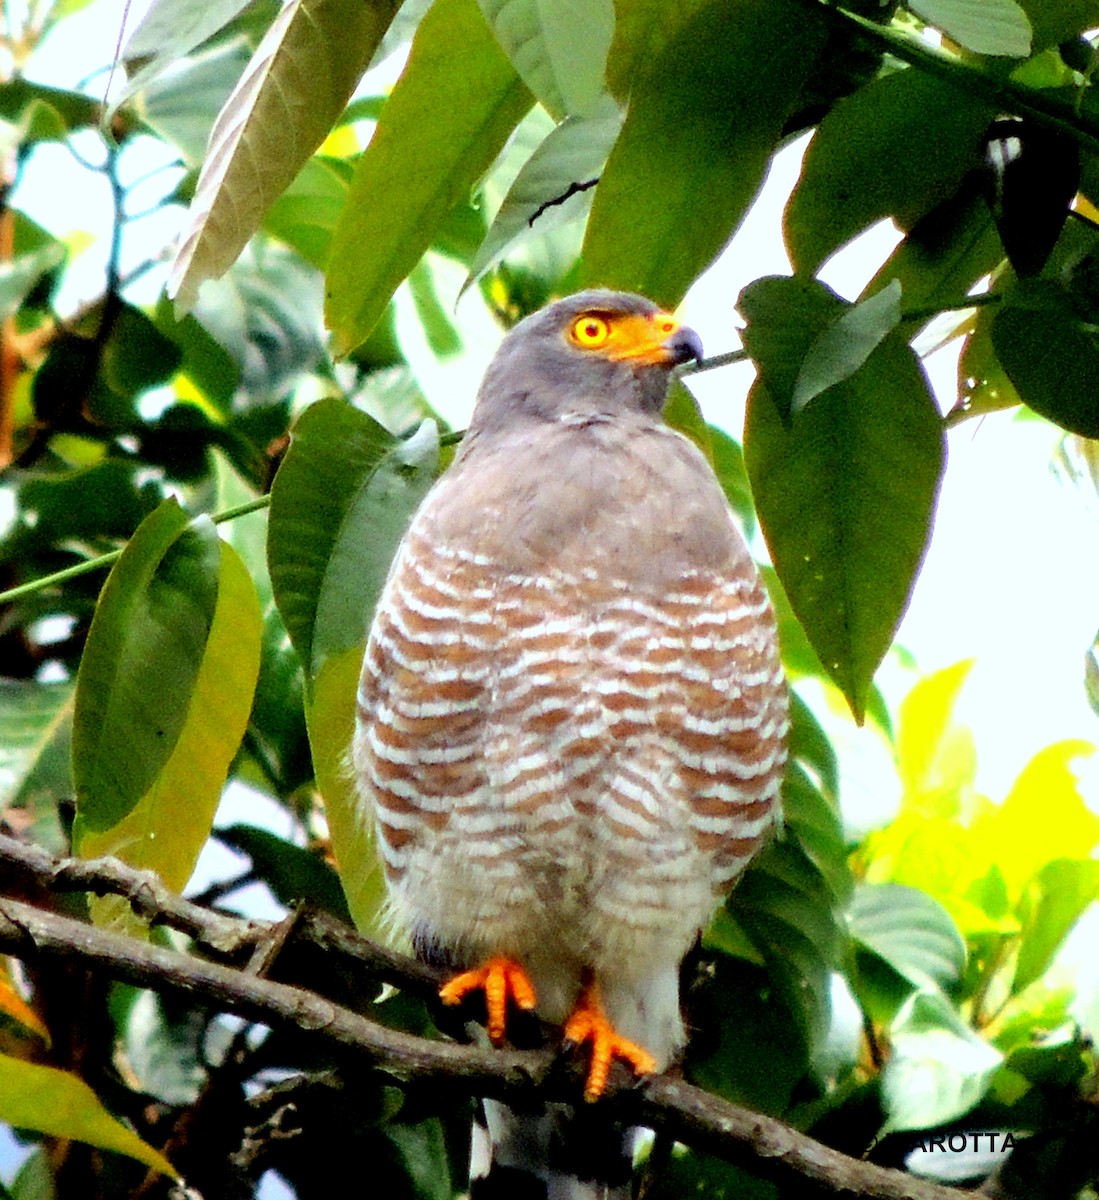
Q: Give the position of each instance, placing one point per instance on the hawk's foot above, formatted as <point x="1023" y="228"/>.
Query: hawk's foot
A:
<point x="589" y="1023"/>
<point x="500" y="979"/>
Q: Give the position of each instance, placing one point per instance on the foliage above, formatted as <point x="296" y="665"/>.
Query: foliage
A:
<point x="881" y="989"/>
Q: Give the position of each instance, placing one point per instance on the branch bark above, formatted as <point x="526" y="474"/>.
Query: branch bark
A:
<point x="688" y="1114"/>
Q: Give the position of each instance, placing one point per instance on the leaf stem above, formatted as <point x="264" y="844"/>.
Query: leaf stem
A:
<point x="105" y="560"/>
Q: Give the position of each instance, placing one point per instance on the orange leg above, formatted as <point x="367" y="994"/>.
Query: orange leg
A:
<point x="589" y="1023"/>
<point x="500" y="979"/>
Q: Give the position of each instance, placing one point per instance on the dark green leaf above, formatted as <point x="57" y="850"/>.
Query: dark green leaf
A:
<point x="845" y="493"/>
<point x="642" y="30"/>
<point x="912" y="932"/>
<point x="147" y="640"/>
<point x="698" y="137"/>
<point x="294" y="875"/>
<point x="75" y="109"/>
<point x="728" y="459"/>
<point x="1056" y="21"/>
<point x="944" y="253"/>
<point x="137" y="355"/>
<point x="896" y="148"/>
<point x="339" y="506"/>
<point x="1050" y="357"/>
<point x="445" y="122"/>
<point x="559" y="49"/>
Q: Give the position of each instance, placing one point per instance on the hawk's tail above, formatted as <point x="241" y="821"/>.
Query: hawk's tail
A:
<point x="549" y="1152"/>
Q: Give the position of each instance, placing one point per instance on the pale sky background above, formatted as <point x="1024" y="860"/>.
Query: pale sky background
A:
<point x="1012" y="575"/>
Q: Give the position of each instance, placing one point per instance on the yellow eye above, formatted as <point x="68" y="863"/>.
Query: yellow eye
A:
<point x="590" y="332"/>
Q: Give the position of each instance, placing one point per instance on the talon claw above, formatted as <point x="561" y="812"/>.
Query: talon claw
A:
<point x="588" y="1023"/>
<point x="500" y="979"/>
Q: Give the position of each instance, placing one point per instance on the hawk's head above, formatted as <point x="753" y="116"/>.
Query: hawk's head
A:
<point x="597" y="352"/>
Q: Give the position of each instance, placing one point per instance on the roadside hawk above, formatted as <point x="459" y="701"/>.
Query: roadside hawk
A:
<point x="571" y="716"/>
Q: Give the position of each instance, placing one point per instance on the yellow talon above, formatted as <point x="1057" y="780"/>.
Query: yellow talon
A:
<point x="500" y="979"/>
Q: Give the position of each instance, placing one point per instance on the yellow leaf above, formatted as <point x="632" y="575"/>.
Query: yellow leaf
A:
<point x="1043" y="817"/>
<point x="936" y="756"/>
<point x="330" y="718"/>
<point x="59" y="1104"/>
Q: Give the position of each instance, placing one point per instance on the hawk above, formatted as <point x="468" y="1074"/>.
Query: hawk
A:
<point x="571" y="716"/>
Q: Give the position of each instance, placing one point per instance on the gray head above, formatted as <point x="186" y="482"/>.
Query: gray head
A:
<point x="594" y="352"/>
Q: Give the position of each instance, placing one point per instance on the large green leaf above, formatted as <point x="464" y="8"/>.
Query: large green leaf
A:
<point x="1056" y="21"/>
<point x="559" y="48"/>
<point x="1050" y="355"/>
<point x="296" y="85"/>
<point x="846" y="490"/>
<point x="143" y="655"/>
<point x="445" y="122"/>
<point x="896" y="148"/>
<point x="642" y="29"/>
<point x="997" y="27"/>
<point x="167" y="827"/>
<point x="909" y="930"/>
<point x="944" y="254"/>
<point x="339" y="506"/>
<point x="700" y="130"/>
<point x="61" y="1105"/>
<point x="554" y="185"/>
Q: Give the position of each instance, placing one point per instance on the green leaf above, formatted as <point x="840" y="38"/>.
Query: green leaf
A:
<point x="559" y="48"/>
<point x="292" y="873"/>
<point x="1057" y="21"/>
<point x="31" y="715"/>
<point x="147" y="640"/>
<point x="1050" y="356"/>
<point x="74" y="110"/>
<point x="846" y="492"/>
<point x="295" y="87"/>
<point x="939" y="1068"/>
<point x="642" y="30"/>
<point x="171" y="29"/>
<point x="997" y="27"/>
<point x="180" y="105"/>
<point x="842" y="347"/>
<point x="60" y="1105"/>
<point x="330" y="714"/>
<point x="811" y="745"/>
<point x="786" y="904"/>
<point x="571" y="157"/>
<point x="339" y="506"/>
<point x="897" y="147"/>
<point x="698" y="137"/>
<point x="909" y="930"/>
<point x="19" y="276"/>
<point x="444" y="123"/>
<point x="944" y="254"/>
<point x="681" y="413"/>
<point x="1065" y="888"/>
<point x="422" y="1151"/>
<point x="165" y="830"/>
<point x="306" y="214"/>
<point x="728" y="463"/>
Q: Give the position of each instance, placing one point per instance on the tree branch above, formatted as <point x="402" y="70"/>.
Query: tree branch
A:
<point x="762" y="1144"/>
